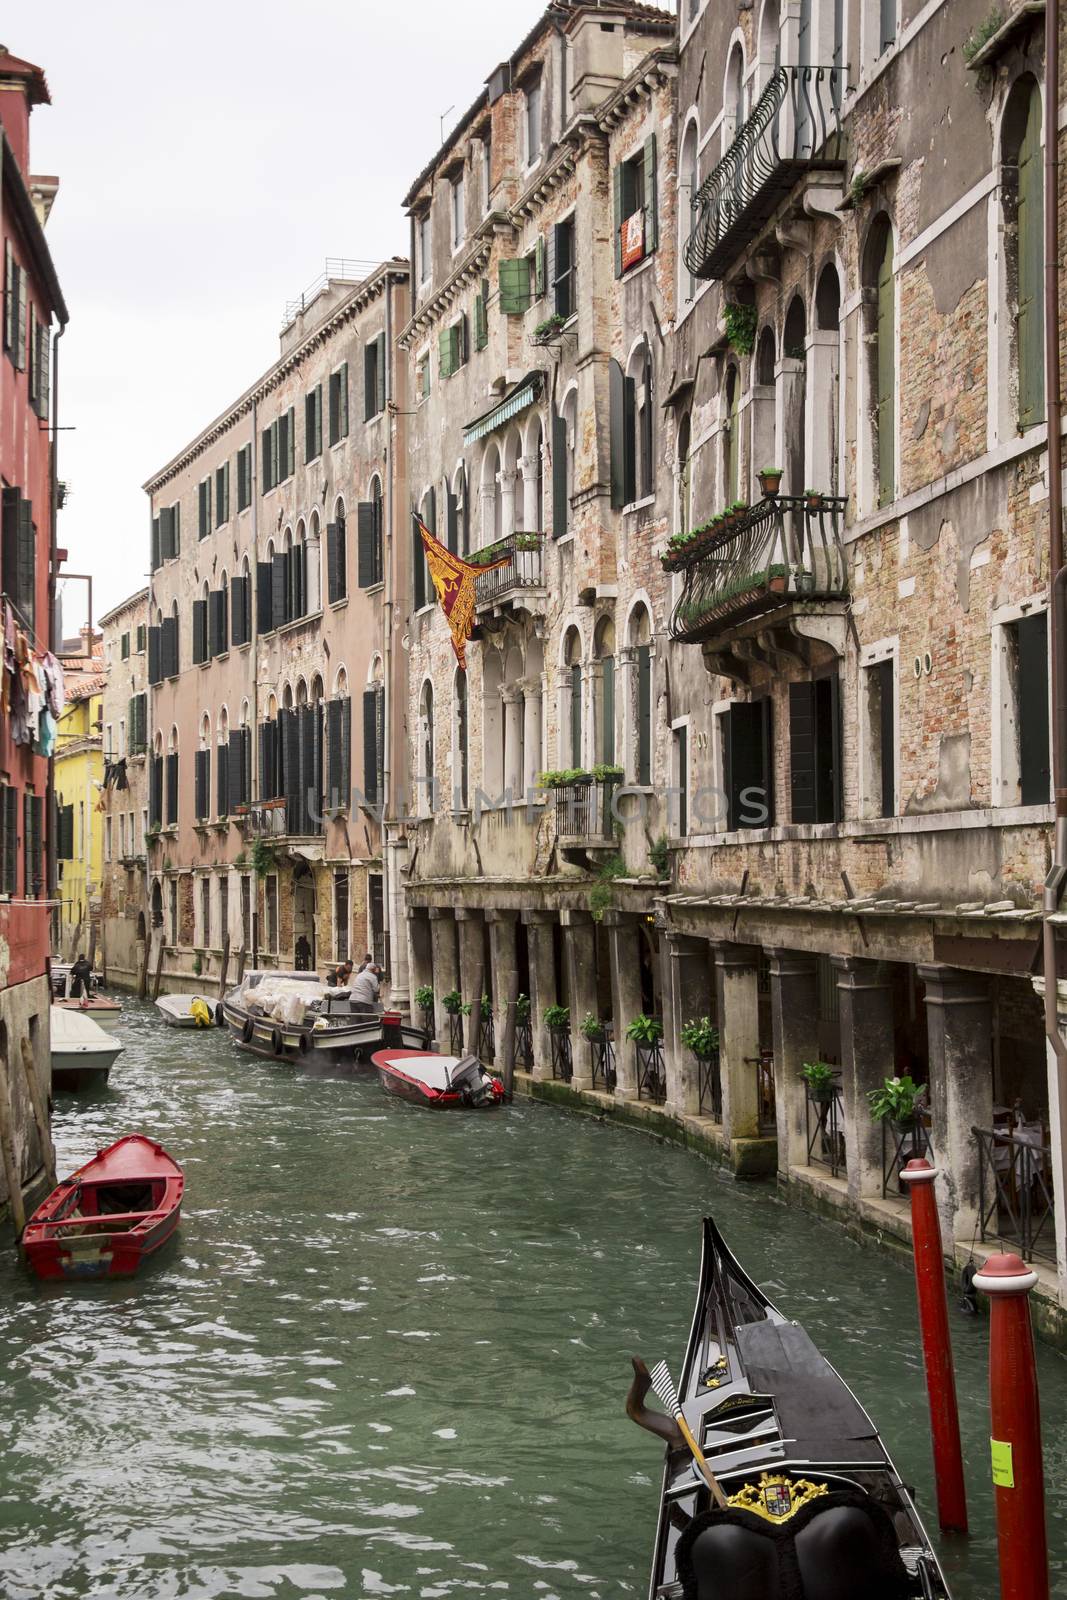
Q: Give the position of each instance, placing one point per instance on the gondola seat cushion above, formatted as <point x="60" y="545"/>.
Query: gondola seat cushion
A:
<point x="839" y="1547"/>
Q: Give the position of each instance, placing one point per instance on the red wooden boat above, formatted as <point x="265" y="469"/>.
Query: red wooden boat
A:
<point x="443" y="1082"/>
<point x="107" y="1217"/>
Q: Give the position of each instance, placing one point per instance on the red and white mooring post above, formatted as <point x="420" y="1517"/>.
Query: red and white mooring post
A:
<point x="919" y="1176"/>
<point x="1015" y="1422"/>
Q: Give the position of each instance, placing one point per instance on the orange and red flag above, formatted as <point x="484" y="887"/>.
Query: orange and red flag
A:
<point x="453" y="579"/>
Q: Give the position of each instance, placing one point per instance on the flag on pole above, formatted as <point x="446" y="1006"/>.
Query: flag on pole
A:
<point x="453" y="579"/>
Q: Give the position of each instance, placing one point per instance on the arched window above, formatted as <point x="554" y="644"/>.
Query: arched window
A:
<point x="490" y="495"/>
<point x="171" y="809"/>
<point x="461" y="743"/>
<point x="794" y="396"/>
<point x="426" y="751"/>
<point x="688" y="184"/>
<point x="733" y="97"/>
<point x="317" y="695"/>
<point x="769" y="43"/>
<point x="337" y="555"/>
<point x="731" y="436"/>
<point x="492" y="722"/>
<point x="571" y="717"/>
<point x="1023" y="205"/>
<point x="881" y="356"/>
<point x="569" y="418"/>
<point x="459" y="520"/>
<point x="632" y="428"/>
<point x="157" y="903"/>
<point x="685" y="473"/>
<point x="423" y="586"/>
<point x="510" y="515"/>
<point x="514" y="722"/>
<point x="640" y="632"/>
<point x="298" y="572"/>
<point x="604" y="655"/>
<point x="313" y="567"/>
<point x="824" y="379"/>
<point x="533" y="480"/>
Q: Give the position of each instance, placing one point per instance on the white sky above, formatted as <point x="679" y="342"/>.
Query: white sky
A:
<point x="211" y="156"/>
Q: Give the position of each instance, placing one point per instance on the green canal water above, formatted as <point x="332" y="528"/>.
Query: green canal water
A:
<point x="388" y="1353"/>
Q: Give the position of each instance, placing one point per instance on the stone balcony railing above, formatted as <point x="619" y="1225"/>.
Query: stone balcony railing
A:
<point x="784" y="551"/>
<point x="523" y="571"/>
<point x="584" y="812"/>
<point x="264" y="819"/>
<point x="794" y="128"/>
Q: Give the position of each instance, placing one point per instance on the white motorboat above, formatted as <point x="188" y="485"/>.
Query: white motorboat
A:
<point x="186" y="1010"/>
<point x="82" y="1053"/>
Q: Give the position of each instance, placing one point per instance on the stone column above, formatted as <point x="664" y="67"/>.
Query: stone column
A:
<point x="504" y="960"/>
<point x="688" y="995"/>
<point x="471" y="965"/>
<point x="795" y="1021"/>
<point x="737" y="975"/>
<point x="445" y="962"/>
<point x="867" y="1059"/>
<point x="1057" y="1118"/>
<point x="513" y="741"/>
<point x="531" y="735"/>
<point x="539" y="939"/>
<point x="489" y="492"/>
<point x="624" y="937"/>
<point x="579" y="950"/>
<point x="625" y="702"/>
<point x="820" y="420"/>
<point x="528" y="467"/>
<point x="506" y="480"/>
<point x="959" y="1023"/>
<point x="420" y="946"/>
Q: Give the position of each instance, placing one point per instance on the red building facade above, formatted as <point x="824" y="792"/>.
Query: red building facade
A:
<point x="34" y="316"/>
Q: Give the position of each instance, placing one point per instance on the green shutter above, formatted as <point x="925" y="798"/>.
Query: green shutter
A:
<point x="446" y="352"/>
<point x="616" y="189"/>
<point x="607" y="701"/>
<point x="559" y="476"/>
<point x="539" y="267"/>
<point x="651" y="208"/>
<point x="515" y="286"/>
<point x="344" y="400"/>
<point x="1030" y="321"/>
<point x="617" y="421"/>
<point x="380" y="373"/>
<point x="481" y="319"/>
<point x="886" y="375"/>
<point x="291" y="436"/>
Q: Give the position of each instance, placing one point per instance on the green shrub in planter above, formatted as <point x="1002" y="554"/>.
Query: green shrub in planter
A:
<point x="645" y="1030"/>
<point x="556" y="1016"/>
<point x="452" y="1002"/>
<point x="701" y="1036"/>
<point x="819" y="1077"/>
<point x="424" y="997"/>
<point x="899" y="1100"/>
<point x="522" y="1008"/>
<point x="591" y="1027"/>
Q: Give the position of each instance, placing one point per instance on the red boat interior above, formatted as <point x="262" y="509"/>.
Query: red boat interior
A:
<point x="114" y="1205"/>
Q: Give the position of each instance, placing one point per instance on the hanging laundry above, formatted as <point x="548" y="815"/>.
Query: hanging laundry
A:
<point x="53" y="683"/>
<point x="45" y="743"/>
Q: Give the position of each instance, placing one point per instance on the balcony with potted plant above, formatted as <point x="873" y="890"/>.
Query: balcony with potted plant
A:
<point x="582" y="801"/>
<point x="762" y="570"/>
<point x="517" y="584"/>
<point x="647" y="1035"/>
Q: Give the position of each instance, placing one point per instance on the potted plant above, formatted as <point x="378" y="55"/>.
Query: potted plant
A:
<point x="522" y="1008"/>
<point x="770" y="481"/>
<point x="819" y="1077"/>
<point x="487" y="1008"/>
<point x="701" y="1036"/>
<point x="452" y="1002"/>
<point x="813" y="499"/>
<point x="591" y="1028"/>
<point x="776" y="578"/>
<point x="646" y="1033"/>
<point x="546" y="330"/>
<point x="556" y="1019"/>
<point x="899" y="1101"/>
<point x="424" y="1002"/>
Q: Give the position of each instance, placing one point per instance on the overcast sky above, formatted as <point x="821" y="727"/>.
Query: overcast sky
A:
<point x="210" y="157"/>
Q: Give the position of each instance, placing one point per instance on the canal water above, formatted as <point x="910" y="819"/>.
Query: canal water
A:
<point x="388" y="1353"/>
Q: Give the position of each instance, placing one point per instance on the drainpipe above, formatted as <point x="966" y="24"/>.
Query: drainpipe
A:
<point x="51" y="872"/>
<point x="1057" y="875"/>
<point x="385" y="798"/>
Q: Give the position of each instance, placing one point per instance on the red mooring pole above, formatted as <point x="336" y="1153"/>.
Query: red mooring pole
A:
<point x="1015" y="1422"/>
<point x="919" y="1176"/>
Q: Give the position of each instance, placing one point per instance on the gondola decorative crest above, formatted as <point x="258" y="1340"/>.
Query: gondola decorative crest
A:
<point x="776" y="1497"/>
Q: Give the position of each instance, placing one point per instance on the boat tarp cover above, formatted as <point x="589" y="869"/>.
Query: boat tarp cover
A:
<point x="282" y="999"/>
<point x="816" y="1410"/>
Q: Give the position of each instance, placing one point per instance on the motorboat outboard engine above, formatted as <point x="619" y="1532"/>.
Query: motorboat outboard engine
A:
<point x="471" y="1082"/>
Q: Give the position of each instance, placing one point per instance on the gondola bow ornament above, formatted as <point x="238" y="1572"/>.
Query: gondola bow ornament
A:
<point x="453" y="579"/>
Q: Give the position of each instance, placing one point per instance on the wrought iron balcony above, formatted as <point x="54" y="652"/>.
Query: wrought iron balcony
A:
<point x="794" y="128"/>
<point x="523" y="554"/>
<point x="583" y="812"/>
<point x="264" y="820"/>
<point x="785" y="550"/>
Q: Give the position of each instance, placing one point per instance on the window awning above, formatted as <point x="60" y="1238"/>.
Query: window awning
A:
<point x="517" y="399"/>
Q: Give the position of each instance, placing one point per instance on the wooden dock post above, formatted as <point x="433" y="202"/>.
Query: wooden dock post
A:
<point x="40" y="1112"/>
<point x="159" y="970"/>
<point x="474" y="1021"/>
<point x="7" y="1151"/>
<point x="225" y="964"/>
<point x="507" y="1046"/>
<point x="142" y="987"/>
<point x="241" y="956"/>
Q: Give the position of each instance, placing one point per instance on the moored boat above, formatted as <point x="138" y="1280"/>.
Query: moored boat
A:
<point x="290" y="1016"/>
<point x="186" y="1010"/>
<point x="109" y="1216"/>
<point x="105" y="1013"/>
<point x="442" y="1082"/>
<point x="82" y="1053"/>
<point x="814" y="1504"/>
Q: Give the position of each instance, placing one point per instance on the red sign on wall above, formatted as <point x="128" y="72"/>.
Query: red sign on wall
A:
<point x="633" y="239"/>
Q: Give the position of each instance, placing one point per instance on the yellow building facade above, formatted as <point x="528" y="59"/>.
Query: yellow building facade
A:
<point x="79" y="787"/>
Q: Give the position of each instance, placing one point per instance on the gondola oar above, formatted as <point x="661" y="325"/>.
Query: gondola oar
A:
<point x="665" y="1390"/>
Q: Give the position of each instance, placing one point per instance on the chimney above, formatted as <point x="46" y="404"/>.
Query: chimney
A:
<point x="596" y="68"/>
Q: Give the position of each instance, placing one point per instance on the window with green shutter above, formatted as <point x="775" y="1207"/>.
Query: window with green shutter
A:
<point x="446" y="352"/>
<point x="313" y="423"/>
<point x="222" y="494"/>
<point x="1030" y="320"/>
<point x="244" y="477"/>
<point x="18" y="555"/>
<point x="481" y="316"/>
<point x="141" y="633"/>
<point x="203" y="494"/>
<point x="514" y="283"/>
<point x="339" y="404"/>
<point x="374" y="378"/>
<point x="124" y="647"/>
<point x="885" y="336"/>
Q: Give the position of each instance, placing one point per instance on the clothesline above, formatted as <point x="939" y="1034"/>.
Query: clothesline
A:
<point x="39" y="649"/>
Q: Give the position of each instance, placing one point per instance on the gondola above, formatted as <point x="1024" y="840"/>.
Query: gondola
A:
<point x="814" y="1505"/>
<point x="442" y="1082"/>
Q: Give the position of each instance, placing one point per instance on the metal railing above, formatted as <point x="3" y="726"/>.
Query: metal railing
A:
<point x="1015" y="1201"/>
<point x="709" y="1086"/>
<point x="265" y="819"/>
<point x="602" y="1054"/>
<point x="651" y="1073"/>
<point x="456" y="1046"/>
<point x="562" y="1067"/>
<point x="766" y="1115"/>
<point x="794" y="125"/>
<point x="487" y="1038"/>
<point x="583" y="810"/>
<point x="338" y="269"/>
<point x="901" y="1143"/>
<point x="783" y="550"/>
<point x="825" y="1128"/>
<point x="524" y="1042"/>
<point x="523" y="568"/>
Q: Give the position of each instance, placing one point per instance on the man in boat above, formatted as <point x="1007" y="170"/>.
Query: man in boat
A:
<point x="365" y="987"/>
<point x="80" y="976"/>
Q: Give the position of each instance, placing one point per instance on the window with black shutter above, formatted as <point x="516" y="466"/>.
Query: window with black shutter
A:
<point x="298" y="566"/>
<point x="9" y="842"/>
<point x="622" y="407"/>
<point x="218" y="643"/>
<point x="157" y="559"/>
<point x="238" y="611"/>
<point x="748" y="764"/>
<point x="202" y="785"/>
<point x="1028" y="665"/>
<point x="200" y="650"/>
<point x="155" y="663"/>
<point x="336" y="561"/>
<point x="137" y="725"/>
<point x="339" y="404"/>
<point x="289" y="753"/>
<point x="155" y="793"/>
<point x="373" y="744"/>
<point x="64" y="833"/>
<point x="338" y="752"/>
<point x="172" y="789"/>
<point x="561" y="268"/>
<point x="168" y="647"/>
<point x="204" y="507"/>
<point x="264" y="596"/>
<point x="237" y="770"/>
<point x="244" y="477"/>
<point x="170" y="531"/>
<point x="369" y="542"/>
<point x="374" y="378"/>
<point x="222" y="494"/>
<point x="18" y="555"/>
<point x="33" y="841"/>
<point x="269" y="760"/>
<point x="222" y="781"/>
<point x="815" y="750"/>
<point x="268" y="440"/>
<point x="313" y="423"/>
<point x="279" y="604"/>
